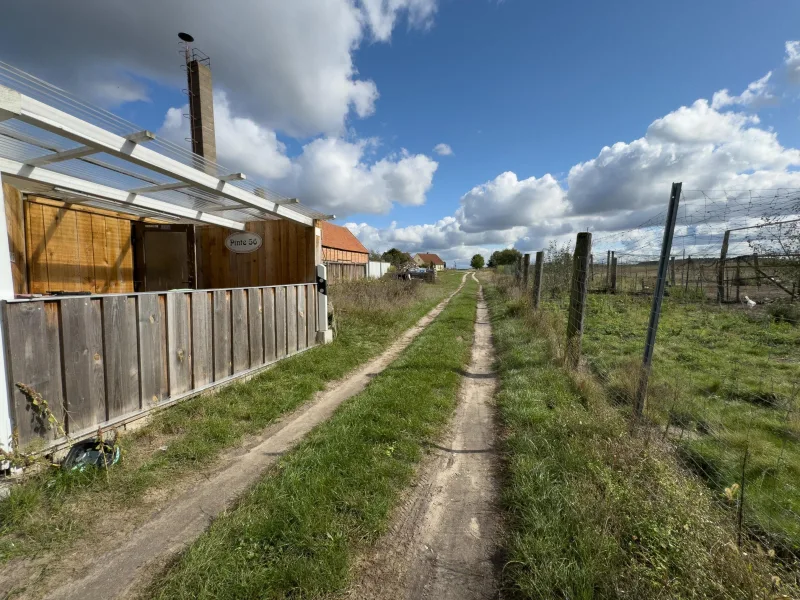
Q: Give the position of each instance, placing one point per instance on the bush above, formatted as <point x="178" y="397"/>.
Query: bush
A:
<point x="784" y="313"/>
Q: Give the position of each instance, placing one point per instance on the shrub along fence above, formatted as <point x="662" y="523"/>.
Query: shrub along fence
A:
<point x="716" y="377"/>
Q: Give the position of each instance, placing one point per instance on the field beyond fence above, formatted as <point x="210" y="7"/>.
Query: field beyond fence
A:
<point x="724" y="385"/>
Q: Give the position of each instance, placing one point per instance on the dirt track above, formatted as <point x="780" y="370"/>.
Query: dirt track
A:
<point x="122" y="572"/>
<point x="443" y="542"/>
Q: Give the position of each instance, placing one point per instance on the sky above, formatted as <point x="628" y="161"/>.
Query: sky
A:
<point x="452" y="126"/>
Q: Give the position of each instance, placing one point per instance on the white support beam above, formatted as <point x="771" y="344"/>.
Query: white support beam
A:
<point x="233" y="177"/>
<point x="56" y="121"/>
<point x="6" y="293"/>
<point x="47" y="159"/>
<point x="122" y="197"/>
<point x="160" y="188"/>
<point x="288" y="201"/>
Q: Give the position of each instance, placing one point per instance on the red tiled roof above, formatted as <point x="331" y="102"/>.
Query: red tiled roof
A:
<point x="335" y="236"/>
<point x="430" y="258"/>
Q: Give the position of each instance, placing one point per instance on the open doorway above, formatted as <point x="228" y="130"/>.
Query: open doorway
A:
<point x="164" y="257"/>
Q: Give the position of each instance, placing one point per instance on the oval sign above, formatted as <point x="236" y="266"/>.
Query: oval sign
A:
<point x="243" y="242"/>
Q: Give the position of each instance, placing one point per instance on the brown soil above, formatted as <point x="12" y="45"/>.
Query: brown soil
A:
<point x="127" y="558"/>
<point x="445" y="537"/>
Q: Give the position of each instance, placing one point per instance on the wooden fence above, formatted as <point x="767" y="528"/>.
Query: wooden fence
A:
<point x="339" y="271"/>
<point x="100" y="360"/>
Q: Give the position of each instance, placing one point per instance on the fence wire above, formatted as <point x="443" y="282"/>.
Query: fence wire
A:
<point x="724" y="388"/>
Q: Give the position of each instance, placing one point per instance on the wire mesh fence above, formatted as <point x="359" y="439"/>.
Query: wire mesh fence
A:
<point x="724" y="387"/>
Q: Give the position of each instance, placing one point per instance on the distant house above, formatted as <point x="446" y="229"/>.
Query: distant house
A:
<point x="345" y="257"/>
<point x="425" y="259"/>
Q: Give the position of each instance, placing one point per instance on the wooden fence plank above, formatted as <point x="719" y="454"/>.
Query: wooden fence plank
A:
<point x="31" y="362"/>
<point x="239" y="334"/>
<point x="291" y="319"/>
<point x="312" y="315"/>
<point x="269" y="325"/>
<point x="120" y="349"/>
<point x="302" y="316"/>
<point x="151" y="353"/>
<point x="179" y="343"/>
<point x="280" y="321"/>
<point x="255" y="322"/>
<point x="202" y="339"/>
<point x="82" y="344"/>
<point x="222" y="334"/>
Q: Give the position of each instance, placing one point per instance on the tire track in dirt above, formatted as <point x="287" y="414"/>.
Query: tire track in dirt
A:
<point x="124" y="572"/>
<point x="444" y="540"/>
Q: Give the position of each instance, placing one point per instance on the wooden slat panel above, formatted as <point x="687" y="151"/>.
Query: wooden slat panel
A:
<point x="256" y="325"/>
<point x="162" y="310"/>
<point x="36" y="247"/>
<point x="100" y="255"/>
<point x="151" y="355"/>
<point x="120" y="353"/>
<point x="269" y="325"/>
<point x="291" y="319"/>
<point x="280" y="321"/>
<point x="62" y="249"/>
<point x="301" y="317"/>
<point x="82" y="343"/>
<point x="222" y="334"/>
<point x="179" y="342"/>
<point x="202" y="340"/>
<point x="32" y="362"/>
<point x="15" y="221"/>
<point x="239" y="333"/>
<point x="85" y="251"/>
<point x="124" y="262"/>
<point x="52" y="330"/>
<point x="312" y="315"/>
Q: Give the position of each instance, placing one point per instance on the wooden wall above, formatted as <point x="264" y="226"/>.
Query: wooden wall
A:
<point x="337" y="255"/>
<point x="15" y="222"/>
<point x="345" y="271"/>
<point x="287" y="255"/>
<point x="76" y="249"/>
<point x="100" y="359"/>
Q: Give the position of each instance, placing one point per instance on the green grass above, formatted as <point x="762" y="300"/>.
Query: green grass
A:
<point x="592" y="512"/>
<point x="54" y="508"/>
<point x="726" y="379"/>
<point x="295" y="533"/>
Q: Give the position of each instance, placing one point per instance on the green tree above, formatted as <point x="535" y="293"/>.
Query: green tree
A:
<point x="477" y="262"/>
<point x="375" y="255"/>
<point x="397" y="258"/>
<point x="509" y="256"/>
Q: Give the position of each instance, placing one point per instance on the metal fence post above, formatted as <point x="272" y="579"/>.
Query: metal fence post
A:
<point x="613" y="274"/>
<point x="537" y="278"/>
<point x="721" y="270"/>
<point x="577" y="300"/>
<point x="526" y="265"/>
<point x="608" y="269"/>
<point x="658" y="296"/>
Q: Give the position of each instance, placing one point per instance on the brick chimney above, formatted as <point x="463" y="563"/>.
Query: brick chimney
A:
<point x="201" y="106"/>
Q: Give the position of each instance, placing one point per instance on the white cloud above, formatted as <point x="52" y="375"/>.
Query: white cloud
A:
<point x="443" y="150"/>
<point x="289" y="62"/>
<point x="756" y="94"/>
<point x="792" y="61"/>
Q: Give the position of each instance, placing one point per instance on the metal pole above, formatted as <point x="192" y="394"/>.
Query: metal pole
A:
<point x="658" y="296"/>
<point x="613" y="274"/>
<point x="577" y="300"/>
<point x="537" y="278"/>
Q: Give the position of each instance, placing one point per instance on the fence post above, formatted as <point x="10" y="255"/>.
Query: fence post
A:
<point x="591" y="268"/>
<point x="672" y="270"/>
<point x="688" y="273"/>
<point x="608" y="269"/>
<point x="518" y="270"/>
<point x="537" y="278"/>
<point x="577" y="299"/>
<point x="526" y="265"/>
<point x="721" y="271"/>
<point x="658" y="296"/>
<point x="324" y="335"/>
<point x="613" y="274"/>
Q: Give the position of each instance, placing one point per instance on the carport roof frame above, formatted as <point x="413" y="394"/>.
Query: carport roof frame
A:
<point x="55" y="140"/>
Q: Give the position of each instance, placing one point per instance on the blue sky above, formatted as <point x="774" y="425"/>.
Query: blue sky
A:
<point x="341" y="103"/>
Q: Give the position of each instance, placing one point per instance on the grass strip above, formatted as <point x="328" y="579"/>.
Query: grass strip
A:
<point x="53" y="508"/>
<point x="295" y="533"/>
<point x="592" y="512"/>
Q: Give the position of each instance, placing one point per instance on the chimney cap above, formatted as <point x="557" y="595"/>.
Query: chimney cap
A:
<point x="185" y="37"/>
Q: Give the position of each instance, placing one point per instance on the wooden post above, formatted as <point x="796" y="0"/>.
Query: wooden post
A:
<point x="758" y="274"/>
<point x="688" y="268"/>
<point x="672" y="270"/>
<point x="658" y="297"/>
<point x="608" y="269"/>
<point x="518" y="271"/>
<point x="738" y="275"/>
<point x="721" y="271"/>
<point x="577" y="300"/>
<point x="526" y="265"/>
<point x="537" y="278"/>
<point x="613" y="274"/>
